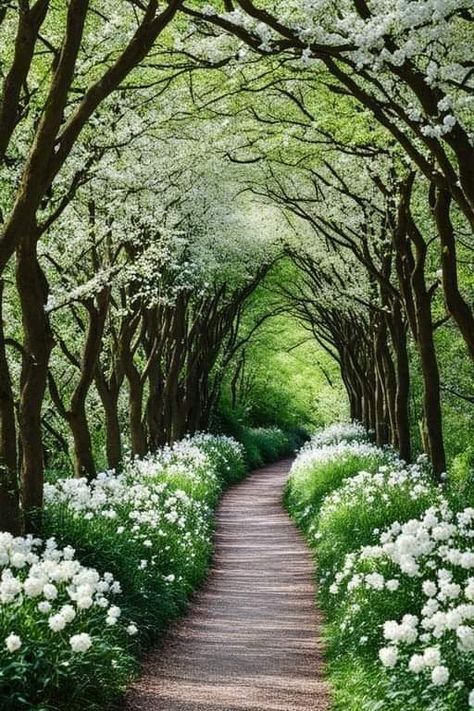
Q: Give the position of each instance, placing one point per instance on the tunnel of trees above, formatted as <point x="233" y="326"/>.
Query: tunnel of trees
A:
<point x="193" y="195"/>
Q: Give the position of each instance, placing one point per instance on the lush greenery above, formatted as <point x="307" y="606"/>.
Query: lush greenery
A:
<point x="119" y="558"/>
<point x="177" y="178"/>
<point x="395" y="560"/>
<point x="246" y="218"/>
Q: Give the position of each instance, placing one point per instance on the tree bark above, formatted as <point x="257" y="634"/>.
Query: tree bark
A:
<point x="10" y="517"/>
<point x="84" y="465"/>
<point x="137" y="429"/>
<point x="37" y="345"/>
<point x="456" y="305"/>
<point x="402" y="397"/>
<point x="411" y="268"/>
<point x="113" y="437"/>
<point x="29" y="23"/>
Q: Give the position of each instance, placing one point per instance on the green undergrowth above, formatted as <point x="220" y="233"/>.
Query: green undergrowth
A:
<point x="350" y="498"/>
<point x="264" y="445"/>
<point x="118" y="559"/>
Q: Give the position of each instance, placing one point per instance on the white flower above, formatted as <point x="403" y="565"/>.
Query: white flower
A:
<point x="50" y="591"/>
<point x="33" y="587"/>
<point x="416" y="663"/>
<point x="429" y="588"/>
<point x="440" y="676"/>
<point x="80" y="642"/>
<point x="84" y="603"/>
<point x="57" y="622"/>
<point x="13" y="642"/>
<point x="465" y="637"/>
<point x="68" y="612"/>
<point x="471" y="699"/>
<point x="375" y="581"/>
<point x="44" y="607"/>
<point x="432" y="656"/>
<point x="132" y="630"/>
<point x="388" y="656"/>
<point x="17" y="560"/>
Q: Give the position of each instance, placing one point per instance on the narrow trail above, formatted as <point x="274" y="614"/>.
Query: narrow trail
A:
<point x="251" y="638"/>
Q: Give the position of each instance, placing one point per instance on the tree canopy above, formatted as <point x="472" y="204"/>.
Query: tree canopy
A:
<point x="189" y="191"/>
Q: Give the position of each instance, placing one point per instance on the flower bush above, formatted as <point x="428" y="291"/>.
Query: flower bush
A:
<point x="320" y="468"/>
<point x="144" y="536"/>
<point x="150" y="525"/>
<point x="411" y="598"/>
<point x="352" y="515"/>
<point x="339" y="432"/>
<point x="396" y="562"/>
<point x="60" y="623"/>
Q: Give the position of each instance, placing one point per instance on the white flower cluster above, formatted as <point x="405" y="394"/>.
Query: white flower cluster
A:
<point x="152" y="522"/>
<point x="46" y="587"/>
<point x="405" y="591"/>
<point x="380" y="488"/>
<point x="144" y="504"/>
<point x="313" y="454"/>
<point x="433" y="558"/>
<point x="429" y="36"/>
<point x="339" y="432"/>
<point x="341" y="444"/>
<point x="141" y="485"/>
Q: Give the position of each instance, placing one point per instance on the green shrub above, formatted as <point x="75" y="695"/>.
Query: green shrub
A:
<point x="63" y="636"/>
<point x="461" y="477"/>
<point x="148" y="533"/>
<point x="318" y="472"/>
<point x="265" y="444"/>
<point x="394" y="563"/>
<point x="352" y="516"/>
<point x="391" y="555"/>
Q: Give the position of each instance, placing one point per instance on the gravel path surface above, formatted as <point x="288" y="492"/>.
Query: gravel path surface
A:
<point x="251" y="638"/>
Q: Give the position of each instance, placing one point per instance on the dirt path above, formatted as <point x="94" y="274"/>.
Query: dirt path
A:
<point x="251" y="638"/>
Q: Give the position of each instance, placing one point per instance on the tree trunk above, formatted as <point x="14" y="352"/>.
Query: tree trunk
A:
<point x="84" y="465"/>
<point x="137" y="429"/>
<point x="382" y="385"/>
<point x="112" y="431"/>
<point x="402" y="397"/>
<point x="431" y="382"/>
<point x="10" y="519"/>
<point x="428" y="358"/>
<point x="417" y="302"/>
<point x="37" y="345"/>
<point x="456" y="305"/>
<point x="390" y="391"/>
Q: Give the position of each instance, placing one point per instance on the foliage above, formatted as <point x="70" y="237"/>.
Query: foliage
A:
<point x="63" y="634"/>
<point x="395" y="567"/>
<point x="317" y="471"/>
<point x="148" y="533"/>
<point x="282" y="377"/>
<point x="266" y="444"/>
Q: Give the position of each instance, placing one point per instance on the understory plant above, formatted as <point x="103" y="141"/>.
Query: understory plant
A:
<point x="120" y="555"/>
<point x="63" y="631"/>
<point x="263" y="445"/>
<point x="396" y="570"/>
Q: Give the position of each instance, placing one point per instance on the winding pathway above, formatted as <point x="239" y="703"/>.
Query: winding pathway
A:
<point x="251" y="638"/>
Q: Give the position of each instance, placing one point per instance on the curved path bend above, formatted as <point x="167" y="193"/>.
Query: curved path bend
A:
<point x="251" y="639"/>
